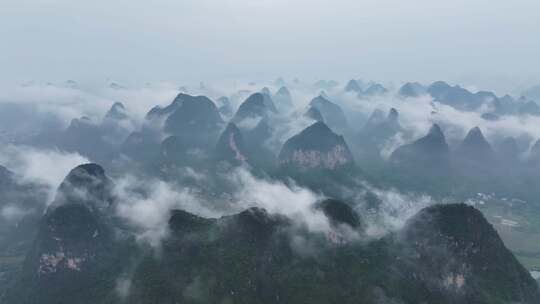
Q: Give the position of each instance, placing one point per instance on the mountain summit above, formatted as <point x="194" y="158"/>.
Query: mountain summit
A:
<point x="430" y="150"/>
<point x="86" y="184"/>
<point x="317" y="146"/>
<point x="254" y="107"/>
<point x="332" y="113"/>
<point x="475" y="147"/>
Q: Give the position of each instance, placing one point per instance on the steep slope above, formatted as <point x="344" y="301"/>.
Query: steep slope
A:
<point x="85" y="137"/>
<point x="332" y="113"/>
<point x="254" y="118"/>
<point x="254" y="107"/>
<point x="381" y="126"/>
<point x="196" y="120"/>
<point x="314" y="114"/>
<point x="117" y="112"/>
<point x="508" y="150"/>
<point x="429" y="152"/>
<point x="353" y="86"/>
<point x="231" y="147"/>
<point x="445" y="254"/>
<point x="475" y="149"/>
<point x="268" y="101"/>
<point x="76" y="256"/>
<point x="195" y="127"/>
<point x="377" y="131"/>
<point x="86" y="184"/>
<point x="453" y="255"/>
<point x="283" y="99"/>
<point x="97" y="140"/>
<point x="159" y="112"/>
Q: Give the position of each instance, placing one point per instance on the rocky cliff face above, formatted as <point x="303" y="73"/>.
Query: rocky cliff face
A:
<point x="316" y="147"/>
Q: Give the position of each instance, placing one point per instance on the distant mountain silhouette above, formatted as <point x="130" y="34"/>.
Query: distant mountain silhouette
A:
<point x="529" y="108"/>
<point x="412" y="89"/>
<point x="459" y="97"/>
<point x="429" y="154"/>
<point x="158" y="112"/>
<point x="332" y="113"/>
<point x="283" y="99"/>
<point x="374" y="89"/>
<point x="117" y="112"/>
<point x="475" y="148"/>
<point x="353" y="86"/>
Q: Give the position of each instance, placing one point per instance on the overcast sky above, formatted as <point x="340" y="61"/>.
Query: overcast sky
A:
<point x="491" y="44"/>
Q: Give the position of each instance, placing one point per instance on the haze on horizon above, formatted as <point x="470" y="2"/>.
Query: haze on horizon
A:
<point x="480" y="43"/>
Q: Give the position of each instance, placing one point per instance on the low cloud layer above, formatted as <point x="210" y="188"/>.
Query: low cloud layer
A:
<point x="45" y="167"/>
<point x="146" y="204"/>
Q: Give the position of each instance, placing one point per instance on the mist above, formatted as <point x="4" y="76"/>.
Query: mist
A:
<point x="471" y="42"/>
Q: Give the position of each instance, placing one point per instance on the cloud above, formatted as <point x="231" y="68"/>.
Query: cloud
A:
<point x="416" y="115"/>
<point x="285" y="127"/>
<point x="41" y="166"/>
<point x="60" y="102"/>
<point x="394" y="210"/>
<point x="249" y="123"/>
<point x="146" y="202"/>
<point x="276" y="197"/>
<point x="66" y="103"/>
<point x="146" y="205"/>
<point x="13" y="213"/>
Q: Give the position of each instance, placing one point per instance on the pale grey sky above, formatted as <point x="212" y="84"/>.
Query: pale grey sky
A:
<point x="492" y="44"/>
